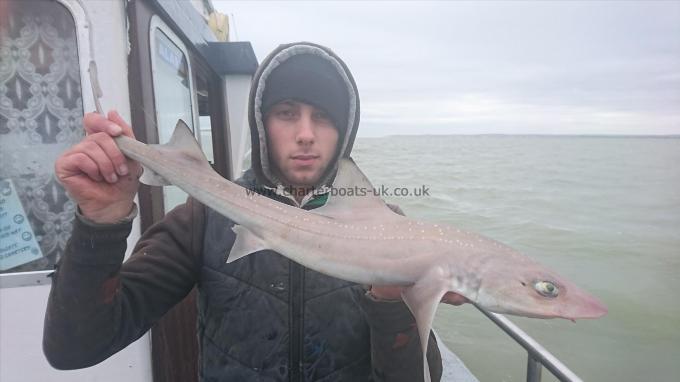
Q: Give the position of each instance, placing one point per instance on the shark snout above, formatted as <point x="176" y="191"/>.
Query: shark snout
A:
<point x="585" y="307"/>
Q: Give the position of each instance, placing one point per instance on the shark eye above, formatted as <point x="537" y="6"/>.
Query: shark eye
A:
<point x="546" y="289"/>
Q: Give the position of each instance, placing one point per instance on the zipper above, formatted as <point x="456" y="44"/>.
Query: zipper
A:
<point x="296" y="318"/>
<point x="296" y="301"/>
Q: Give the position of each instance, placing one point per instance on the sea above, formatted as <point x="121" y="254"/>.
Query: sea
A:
<point x="603" y="211"/>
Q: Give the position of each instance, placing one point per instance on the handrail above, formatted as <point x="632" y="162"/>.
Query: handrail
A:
<point x="537" y="355"/>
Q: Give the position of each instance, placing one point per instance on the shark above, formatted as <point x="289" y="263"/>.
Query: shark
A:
<point x="357" y="237"/>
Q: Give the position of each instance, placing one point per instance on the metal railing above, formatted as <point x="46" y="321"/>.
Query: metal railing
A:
<point x="538" y="356"/>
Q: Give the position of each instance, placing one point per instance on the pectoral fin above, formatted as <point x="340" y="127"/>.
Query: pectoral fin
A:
<point x="246" y="243"/>
<point x="422" y="299"/>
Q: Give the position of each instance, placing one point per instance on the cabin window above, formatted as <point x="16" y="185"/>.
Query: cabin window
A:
<point x="172" y="83"/>
<point x="41" y="114"/>
<point x="172" y="87"/>
<point x="238" y="86"/>
<point x="204" y="125"/>
<point x="247" y="149"/>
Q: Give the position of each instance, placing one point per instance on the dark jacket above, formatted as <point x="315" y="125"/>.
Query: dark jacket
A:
<point x="261" y="318"/>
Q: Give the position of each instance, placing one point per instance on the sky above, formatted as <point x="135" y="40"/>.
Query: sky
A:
<point x="490" y="67"/>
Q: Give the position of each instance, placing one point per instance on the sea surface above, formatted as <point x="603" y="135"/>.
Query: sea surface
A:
<point x="602" y="211"/>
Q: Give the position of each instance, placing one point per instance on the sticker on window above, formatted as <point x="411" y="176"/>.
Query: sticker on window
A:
<point x="17" y="241"/>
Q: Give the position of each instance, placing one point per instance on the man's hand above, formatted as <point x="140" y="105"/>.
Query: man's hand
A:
<point x="394" y="293"/>
<point x="96" y="173"/>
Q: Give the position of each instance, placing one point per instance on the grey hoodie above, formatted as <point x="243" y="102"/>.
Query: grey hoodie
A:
<point x="260" y="159"/>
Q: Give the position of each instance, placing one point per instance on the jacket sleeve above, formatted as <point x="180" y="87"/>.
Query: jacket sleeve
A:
<point x="98" y="305"/>
<point x="395" y="343"/>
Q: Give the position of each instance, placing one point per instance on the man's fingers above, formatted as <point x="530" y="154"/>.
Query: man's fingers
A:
<point x="94" y="152"/>
<point x="77" y="163"/>
<point x="454" y="299"/>
<point x="108" y="145"/>
<point x="116" y="118"/>
<point x="97" y="123"/>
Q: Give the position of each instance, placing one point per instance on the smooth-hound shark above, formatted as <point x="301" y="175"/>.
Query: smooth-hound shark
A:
<point x="360" y="239"/>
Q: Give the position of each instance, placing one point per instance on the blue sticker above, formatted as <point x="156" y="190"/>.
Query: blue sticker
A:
<point x="17" y="241"/>
<point x="5" y="188"/>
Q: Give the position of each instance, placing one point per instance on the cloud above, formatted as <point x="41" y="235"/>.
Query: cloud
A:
<point x="520" y="67"/>
<point x="480" y="114"/>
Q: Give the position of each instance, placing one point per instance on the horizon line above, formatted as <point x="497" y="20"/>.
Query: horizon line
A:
<point x="531" y="135"/>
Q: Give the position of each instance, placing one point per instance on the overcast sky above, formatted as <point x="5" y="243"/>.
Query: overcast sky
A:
<point x="491" y="67"/>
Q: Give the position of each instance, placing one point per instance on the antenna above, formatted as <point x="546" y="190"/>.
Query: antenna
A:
<point x="233" y="22"/>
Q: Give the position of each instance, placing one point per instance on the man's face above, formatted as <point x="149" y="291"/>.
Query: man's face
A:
<point x="302" y="141"/>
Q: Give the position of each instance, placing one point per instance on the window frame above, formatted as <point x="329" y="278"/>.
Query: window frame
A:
<point x="219" y="125"/>
<point x="81" y="24"/>
<point x="158" y="23"/>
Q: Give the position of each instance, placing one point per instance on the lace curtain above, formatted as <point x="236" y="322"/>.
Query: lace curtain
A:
<point x="40" y="116"/>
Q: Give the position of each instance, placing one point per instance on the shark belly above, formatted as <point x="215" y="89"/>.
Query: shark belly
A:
<point x="347" y="257"/>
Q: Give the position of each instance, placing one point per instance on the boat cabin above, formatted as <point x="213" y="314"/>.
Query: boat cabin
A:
<point x="157" y="62"/>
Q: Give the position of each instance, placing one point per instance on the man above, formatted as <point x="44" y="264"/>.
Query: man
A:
<point x="263" y="317"/>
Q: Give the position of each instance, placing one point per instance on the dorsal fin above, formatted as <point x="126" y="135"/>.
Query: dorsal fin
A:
<point x="183" y="142"/>
<point x="182" y="136"/>
<point x="352" y="195"/>
<point x="183" y="139"/>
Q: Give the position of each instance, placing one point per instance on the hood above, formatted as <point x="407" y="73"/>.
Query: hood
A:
<point x="259" y="154"/>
